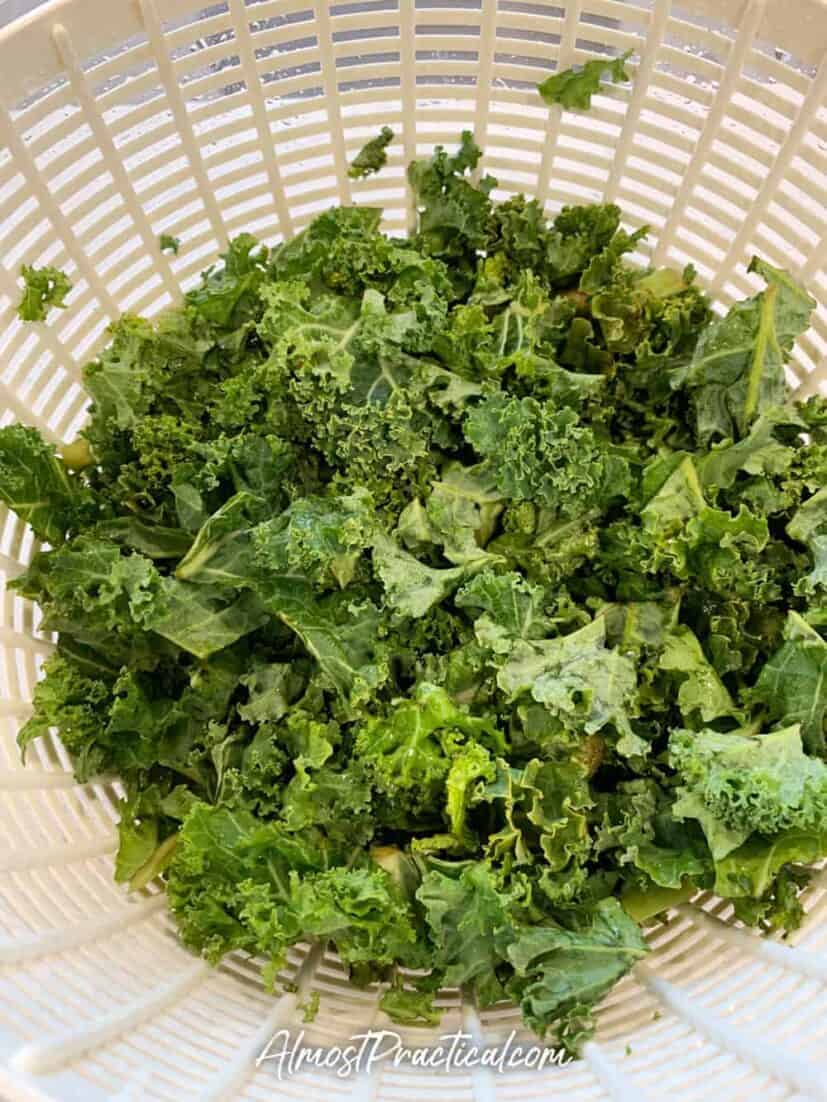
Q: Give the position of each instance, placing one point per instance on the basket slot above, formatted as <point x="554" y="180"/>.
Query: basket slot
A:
<point x="815" y="98"/>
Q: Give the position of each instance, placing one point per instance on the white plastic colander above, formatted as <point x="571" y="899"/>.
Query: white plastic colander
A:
<point x="123" y="119"/>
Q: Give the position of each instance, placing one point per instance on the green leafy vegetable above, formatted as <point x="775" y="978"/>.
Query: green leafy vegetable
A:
<point x="561" y="972"/>
<point x="169" y="244"/>
<point x="579" y="679"/>
<point x="43" y="288"/>
<point x="574" y="88"/>
<point x="739" y="784"/>
<point x="457" y="600"/>
<point x="407" y="1006"/>
<point x="372" y="156"/>
<point x="39" y="488"/>
<point x="542" y="454"/>
<point x="737" y="370"/>
<point x="792" y="682"/>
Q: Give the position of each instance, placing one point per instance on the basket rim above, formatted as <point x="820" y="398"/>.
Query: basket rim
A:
<point x="34" y="60"/>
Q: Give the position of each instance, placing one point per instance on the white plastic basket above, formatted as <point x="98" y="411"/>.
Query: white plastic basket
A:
<point x="122" y="119"/>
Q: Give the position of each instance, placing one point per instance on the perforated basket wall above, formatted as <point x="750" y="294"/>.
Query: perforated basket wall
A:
<point x="122" y="120"/>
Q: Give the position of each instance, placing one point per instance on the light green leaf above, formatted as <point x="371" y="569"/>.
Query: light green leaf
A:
<point x="793" y="682"/>
<point x="701" y="690"/>
<point x="574" y="88"/>
<point x="201" y="620"/>
<point x="578" y="679"/>
<point x="737" y="371"/>
<point x="411" y="587"/>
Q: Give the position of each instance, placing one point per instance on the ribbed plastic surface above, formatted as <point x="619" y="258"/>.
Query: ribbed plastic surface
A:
<point x="120" y="120"/>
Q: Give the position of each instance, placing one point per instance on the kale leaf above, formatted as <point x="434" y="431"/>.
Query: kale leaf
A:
<point x="574" y="88"/>
<point x="42" y="288"/>
<point x="372" y="156"/>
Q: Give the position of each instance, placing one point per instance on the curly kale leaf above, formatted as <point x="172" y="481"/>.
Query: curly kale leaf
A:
<point x="701" y="691"/>
<point x="574" y="88"/>
<point x="318" y="538"/>
<point x="580" y="681"/>
<point x="373" y="156"/>
<point x="100" y="597"/>
<point x="76" y="702"/>
<point x="511" y="609"/>
<point x="339" y="631"/>
<point x="460" y="514"/>
<point x="43" y="288"/>
<point x="766" y="450"/>
<point x="36" y="485"/>
<point x="757" y="869"/>
<point x="235" y="881"/>
<point x="809" y="526"/>
<point x="201" y="620"/>
<point x="468" y="919"/>
<point x="227" y="296"/>
<point x="740" y="784"/>
<point x="452" y="211"/>
<point x="411" y="587"/>
<point x="561" y="972"/>
<point x="546" y="455"/>
<point x="636" y="823"/>
<point x="408" y="753"/>
<point x="543" y="811"/>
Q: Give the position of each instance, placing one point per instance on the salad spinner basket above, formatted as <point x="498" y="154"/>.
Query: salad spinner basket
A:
<point x="124" y="119"/>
